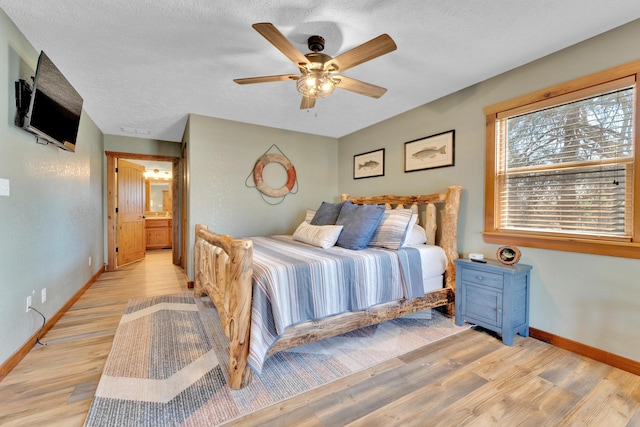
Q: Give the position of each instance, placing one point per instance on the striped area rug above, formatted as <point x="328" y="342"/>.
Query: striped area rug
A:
<point x="169" y="362"/>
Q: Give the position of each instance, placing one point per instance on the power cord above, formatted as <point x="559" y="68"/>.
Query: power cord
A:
<point x="44" y="320"/>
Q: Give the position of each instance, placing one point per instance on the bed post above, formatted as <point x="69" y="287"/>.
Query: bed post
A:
<point x="223" y="267"/>
<point x="241" y="294"/>
<point x="449" y="237"/>
<point x="197" y="283"/>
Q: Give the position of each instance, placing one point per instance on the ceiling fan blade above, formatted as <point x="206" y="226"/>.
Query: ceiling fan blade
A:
<point x="276" y="38"/>
<point x="374" y="48"/>
<point x="267" y="79"/>
<point x="360" y="87"/>
<point x="307" y="103"/>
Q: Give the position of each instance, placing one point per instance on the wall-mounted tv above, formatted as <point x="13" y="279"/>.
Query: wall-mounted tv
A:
<point x="54" y="108"/>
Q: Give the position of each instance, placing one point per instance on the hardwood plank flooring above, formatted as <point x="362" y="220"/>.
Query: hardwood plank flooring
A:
<point x="470" y="379"/>
<point x="467" y="379"/>
<point x="54" y="384"/>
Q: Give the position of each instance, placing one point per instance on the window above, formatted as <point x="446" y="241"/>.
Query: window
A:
<point x="561" y="167"/>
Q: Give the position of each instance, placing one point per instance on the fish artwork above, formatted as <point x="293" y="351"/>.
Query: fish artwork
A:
<point x="429" y="152"/>
<point x="371" y="164"/>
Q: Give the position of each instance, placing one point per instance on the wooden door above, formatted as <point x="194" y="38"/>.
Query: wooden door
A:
<point x="130" y="237"/>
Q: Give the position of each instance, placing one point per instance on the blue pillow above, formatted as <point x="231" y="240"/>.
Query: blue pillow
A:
<point x="359" y="223"/>
<point x="327" y="214"/>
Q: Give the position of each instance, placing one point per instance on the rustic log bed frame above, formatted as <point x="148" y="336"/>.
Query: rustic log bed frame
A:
<point x="223" y="267"/>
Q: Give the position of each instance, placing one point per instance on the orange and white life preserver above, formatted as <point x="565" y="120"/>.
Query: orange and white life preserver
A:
<point x="259" y="181"/>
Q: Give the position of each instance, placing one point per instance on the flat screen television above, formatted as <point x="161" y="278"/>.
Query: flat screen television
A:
<point x="54" y="107"/>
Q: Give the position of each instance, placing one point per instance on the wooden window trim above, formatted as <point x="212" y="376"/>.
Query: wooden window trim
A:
<point x="587" y="245"/>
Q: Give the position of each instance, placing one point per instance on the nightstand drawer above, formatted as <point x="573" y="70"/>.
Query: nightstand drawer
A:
<point x="482" y="277"/>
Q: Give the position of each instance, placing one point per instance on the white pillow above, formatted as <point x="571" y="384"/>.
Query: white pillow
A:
<point x="309" y="215"/>
<point x="393" y="228"/>
<point x="414" y="209"/>
<point x="414" y="221"/>
<point x="416" y="236"/>
<point x="323" y="236"/>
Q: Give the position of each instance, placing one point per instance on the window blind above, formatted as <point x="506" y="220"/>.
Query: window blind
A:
<point x="568" y="168"/>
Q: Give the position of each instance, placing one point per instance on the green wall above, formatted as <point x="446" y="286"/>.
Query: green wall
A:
<point x="221" y="156"/>
<point x="592" y="299"/>
<point x="51" y="223"/>
<point x="128" y="144"/>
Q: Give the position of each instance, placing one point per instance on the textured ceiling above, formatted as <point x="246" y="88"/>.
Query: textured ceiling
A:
<point x="143" y="66"/>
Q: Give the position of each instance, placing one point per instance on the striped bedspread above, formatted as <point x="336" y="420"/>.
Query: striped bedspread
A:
<point x="294" y="282"/>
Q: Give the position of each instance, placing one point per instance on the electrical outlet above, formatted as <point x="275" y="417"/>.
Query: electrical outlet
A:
<point x="89" y="261"/>
<point x="43" y="295"/>
<point x="28" y="303"/>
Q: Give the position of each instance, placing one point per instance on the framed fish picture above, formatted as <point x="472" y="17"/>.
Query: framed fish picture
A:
<point x="367" y="165"/>
<point x="433" y="151"/>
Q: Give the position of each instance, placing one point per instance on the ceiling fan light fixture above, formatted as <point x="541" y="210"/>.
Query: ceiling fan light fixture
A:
<point x="318" y="71"/>
<point x="316" y="84"/>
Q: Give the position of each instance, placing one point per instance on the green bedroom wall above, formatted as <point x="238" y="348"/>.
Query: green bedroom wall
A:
<point x="51" y="223"/>
<point x="153" y="147"/>
<point x="591" y="299"/>
<point x="221" y="156"/>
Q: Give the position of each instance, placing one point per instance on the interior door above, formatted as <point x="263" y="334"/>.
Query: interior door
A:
<point x="130" y="203"/>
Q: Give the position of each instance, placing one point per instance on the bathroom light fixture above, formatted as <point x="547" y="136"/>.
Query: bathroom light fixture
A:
<point x="156" y="174"/>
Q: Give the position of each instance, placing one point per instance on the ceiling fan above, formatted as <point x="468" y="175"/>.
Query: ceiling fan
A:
<point x="318" y="72"/>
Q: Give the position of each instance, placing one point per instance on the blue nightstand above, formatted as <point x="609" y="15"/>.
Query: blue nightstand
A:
<point x="494" y="296"/>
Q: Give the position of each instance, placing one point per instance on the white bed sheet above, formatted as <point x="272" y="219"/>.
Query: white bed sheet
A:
<point x="434" y="262"/>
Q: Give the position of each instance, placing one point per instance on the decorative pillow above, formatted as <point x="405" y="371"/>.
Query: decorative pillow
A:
<point x="392" y="229"/>
<point x="414" y="209"/>
<point x="360" y="222"/>
<point x="327" y="213"/>
<point x="417" y="236"/>
<point x="323" y="236"/>
<point x="309" y="215"/>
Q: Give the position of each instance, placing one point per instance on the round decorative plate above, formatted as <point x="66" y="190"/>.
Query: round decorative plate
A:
<point x="508" y="254"/>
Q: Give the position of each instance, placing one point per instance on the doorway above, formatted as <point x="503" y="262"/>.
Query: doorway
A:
<point x="158" y="197"/>
<point x="164" y="211"/>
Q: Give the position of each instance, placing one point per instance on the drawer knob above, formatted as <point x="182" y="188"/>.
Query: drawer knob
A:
<point x="479" y="277"/>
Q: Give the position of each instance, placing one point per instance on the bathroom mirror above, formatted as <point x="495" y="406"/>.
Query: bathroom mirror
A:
<point x="158" y="198"/>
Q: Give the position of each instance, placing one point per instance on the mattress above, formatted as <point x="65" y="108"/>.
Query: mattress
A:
<point x="434" y="263"/>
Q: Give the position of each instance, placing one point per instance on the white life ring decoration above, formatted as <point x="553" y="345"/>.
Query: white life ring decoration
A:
<point x="259" y="181"/>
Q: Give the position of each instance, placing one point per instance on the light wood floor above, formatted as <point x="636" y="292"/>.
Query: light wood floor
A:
<point x="54" y="384"/>
<point x="467" y="379"/>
